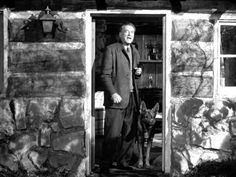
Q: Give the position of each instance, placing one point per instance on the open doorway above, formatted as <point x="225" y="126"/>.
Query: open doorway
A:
<point x="149" y="41"/>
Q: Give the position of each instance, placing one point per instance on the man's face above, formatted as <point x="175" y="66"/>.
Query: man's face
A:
<point x="127" y="34"/>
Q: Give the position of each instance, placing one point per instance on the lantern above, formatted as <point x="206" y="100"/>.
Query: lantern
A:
<point x="47" y="20"/>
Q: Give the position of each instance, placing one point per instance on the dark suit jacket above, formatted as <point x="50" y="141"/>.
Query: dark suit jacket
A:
<point x="115" y="75"/>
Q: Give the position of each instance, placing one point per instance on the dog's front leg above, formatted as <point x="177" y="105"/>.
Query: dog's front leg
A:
<point x="149" y="146"/>
<point x="140" y="149"/>
<point x="147" y="158"/>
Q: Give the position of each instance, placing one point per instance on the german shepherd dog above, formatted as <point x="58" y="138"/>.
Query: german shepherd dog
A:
<point x="146" y="131"/>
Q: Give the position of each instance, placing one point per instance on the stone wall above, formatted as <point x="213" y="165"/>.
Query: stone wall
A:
<point x="201" y="125"/>
<point x="42" y="117"/>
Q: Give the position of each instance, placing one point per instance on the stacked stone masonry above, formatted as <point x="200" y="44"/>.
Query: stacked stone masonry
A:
<point x="202" y="130"/>
<point x="35" y="133"/>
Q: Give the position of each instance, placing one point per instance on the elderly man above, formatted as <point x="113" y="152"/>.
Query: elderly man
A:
<point x="119" y="72"/>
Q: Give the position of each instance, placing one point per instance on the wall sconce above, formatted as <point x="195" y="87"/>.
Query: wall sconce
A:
<point x="47" y="19"/>
<point x="50" y="22"/>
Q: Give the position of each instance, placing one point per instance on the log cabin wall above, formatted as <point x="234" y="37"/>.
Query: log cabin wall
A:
<point x="195" y="137"/>
<point x="203" y="117"/>
<point x="42" y="128"/>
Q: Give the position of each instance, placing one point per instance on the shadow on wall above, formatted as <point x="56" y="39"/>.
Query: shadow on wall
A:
<point x="201" y="132"/>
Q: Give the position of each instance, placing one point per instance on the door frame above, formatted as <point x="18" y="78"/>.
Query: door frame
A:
<point x="3" y="51"/>
<point x="90" y="58"/>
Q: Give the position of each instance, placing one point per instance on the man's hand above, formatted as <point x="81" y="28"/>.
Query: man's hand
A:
<point x="138" y="71"/>
<point x="116" y="98"/>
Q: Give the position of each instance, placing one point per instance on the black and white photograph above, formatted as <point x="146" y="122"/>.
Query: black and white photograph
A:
<point x="117" y="88"/>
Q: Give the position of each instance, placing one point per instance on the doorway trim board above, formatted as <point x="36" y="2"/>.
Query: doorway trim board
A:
<point x="90" y="27"/>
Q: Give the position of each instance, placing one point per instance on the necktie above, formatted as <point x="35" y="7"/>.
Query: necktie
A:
<point x="128" y="51"/>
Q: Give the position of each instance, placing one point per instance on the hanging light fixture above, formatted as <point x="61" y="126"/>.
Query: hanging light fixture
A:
<point x="47" y="20"/>
<point x="50" y="22"/>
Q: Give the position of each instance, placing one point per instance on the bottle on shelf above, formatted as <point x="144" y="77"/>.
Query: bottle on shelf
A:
<point x="156" y="51"/>
<point x="150" y="81"/>
<point x="149" y="47"/>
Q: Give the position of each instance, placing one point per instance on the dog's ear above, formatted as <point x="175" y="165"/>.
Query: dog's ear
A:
<point x="142" y="107"/>
<point x="155" y="109"/>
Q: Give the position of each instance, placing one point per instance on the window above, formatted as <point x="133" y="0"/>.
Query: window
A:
<point x="1" y="53"/>
<point x="227" y="57"/>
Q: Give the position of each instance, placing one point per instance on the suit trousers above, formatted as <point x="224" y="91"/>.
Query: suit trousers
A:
<point x="119" y="135"/>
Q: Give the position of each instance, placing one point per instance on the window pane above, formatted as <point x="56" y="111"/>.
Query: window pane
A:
<point x="228" y="72"/>
<point x="228" y="39"/>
